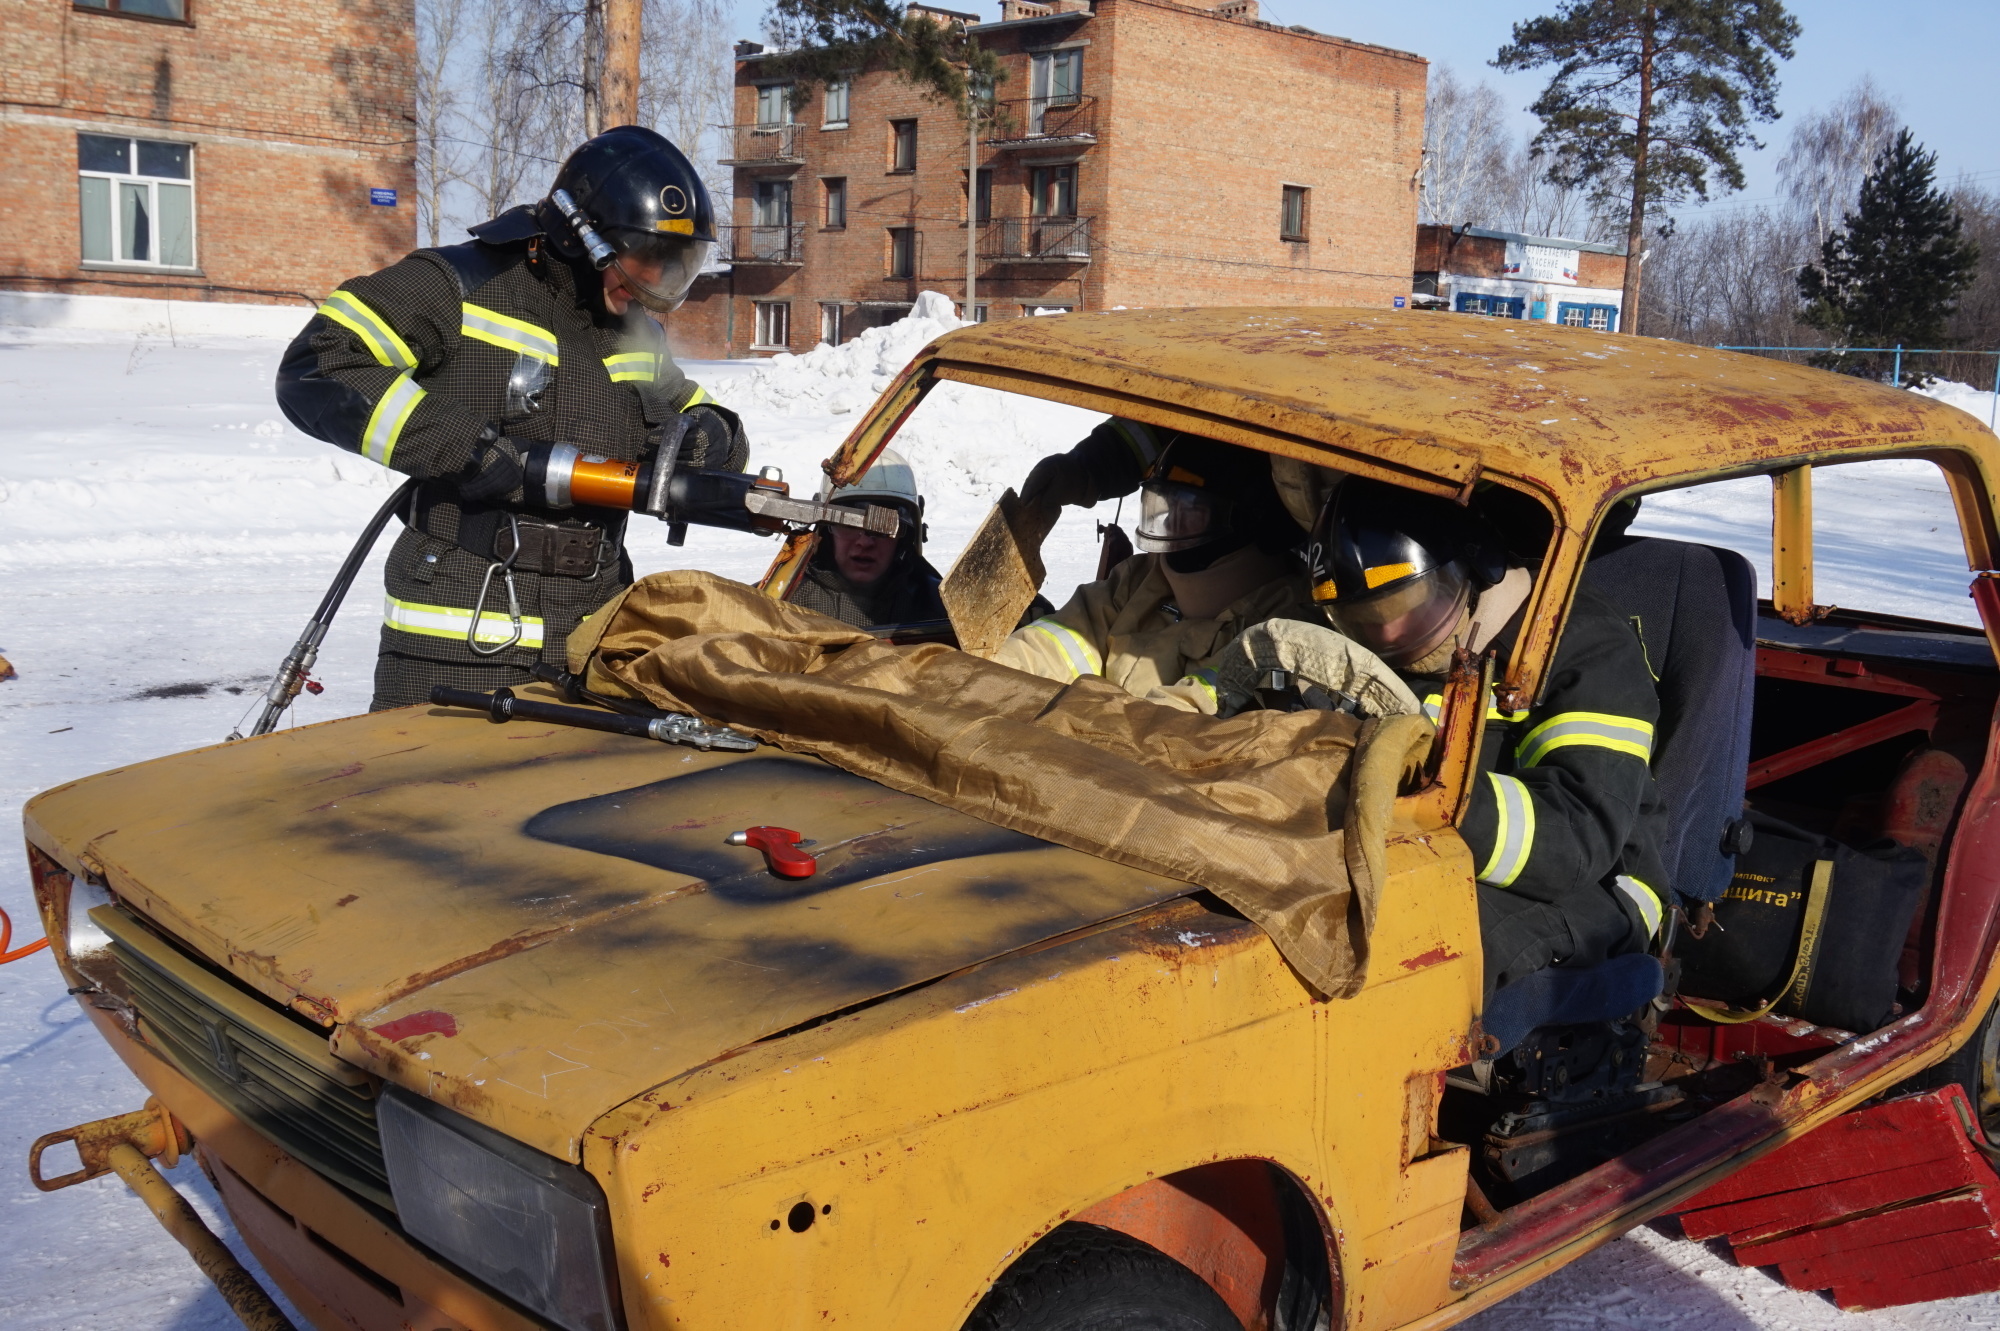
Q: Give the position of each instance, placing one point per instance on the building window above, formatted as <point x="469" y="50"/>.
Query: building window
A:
<point x="136" y="200"/>
<point x="1496" y="307"/>
<point x="1052" y="191"/>
<point x="980" y="309"/>
<point x="771" y="203"/>
<point x="774" y="104"/>
<point x="175" y="10"/>
<point x="1055" y="78"/>
<point x="1603" y="318"/>
<point x="774" y="323"/>
<point x="835" y="112"/>
<point x="982" y="197"/>
<point x="902" y="251"/>
<point x="831" y="317"/>
<point x="1292" y="215"/>
<point x="834" y="215"/>
<point x="902" y="145"/>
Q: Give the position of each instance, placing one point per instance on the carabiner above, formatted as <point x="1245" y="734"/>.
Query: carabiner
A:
<point x="504" y="567"/>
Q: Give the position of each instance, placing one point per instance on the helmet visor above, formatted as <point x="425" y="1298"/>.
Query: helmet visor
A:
<point x="658" y="270"/>
<point x="1403" y="622"/>
<point x="1175" y="516"/>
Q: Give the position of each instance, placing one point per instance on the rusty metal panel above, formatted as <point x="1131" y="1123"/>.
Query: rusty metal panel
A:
<point x="482" y="910"/>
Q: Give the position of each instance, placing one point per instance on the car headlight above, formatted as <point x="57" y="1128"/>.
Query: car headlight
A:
<point x="533" y="1227"/>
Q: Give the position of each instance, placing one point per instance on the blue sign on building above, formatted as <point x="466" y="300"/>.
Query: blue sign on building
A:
<point x="382" y="198"/>
<point x="1402" y="302"/>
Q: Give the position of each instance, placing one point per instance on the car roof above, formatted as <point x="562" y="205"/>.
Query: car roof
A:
<point x="1440" y="400"/>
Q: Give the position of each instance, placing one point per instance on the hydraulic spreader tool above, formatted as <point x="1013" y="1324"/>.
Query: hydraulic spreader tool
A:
<point x="565" y="476"/>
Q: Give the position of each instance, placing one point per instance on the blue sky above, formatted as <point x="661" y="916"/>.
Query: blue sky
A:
<point x="1934" y="58"/>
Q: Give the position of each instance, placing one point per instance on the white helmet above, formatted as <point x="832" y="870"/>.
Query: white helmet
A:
<point x="891" y="480"/>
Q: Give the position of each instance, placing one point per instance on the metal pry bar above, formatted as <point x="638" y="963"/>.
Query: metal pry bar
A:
<point x="876" y="518"/>
<point x="669" y="728"/>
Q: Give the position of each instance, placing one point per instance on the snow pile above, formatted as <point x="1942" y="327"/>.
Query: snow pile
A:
<point x="1976" y="402"/>
<point x="834" y="381"/>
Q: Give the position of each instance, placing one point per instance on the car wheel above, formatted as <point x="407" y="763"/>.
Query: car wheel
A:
<point x="1089" y="1278"/>
<point x="1976" y="1067"/>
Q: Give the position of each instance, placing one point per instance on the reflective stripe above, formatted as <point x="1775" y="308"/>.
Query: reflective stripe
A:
<point x="696" y="398"/>
<point x="1601" y="730"/>
<point x="1203" y="679"/>
<point x="347" y="309"/>
<point x="504" y="331"/>
<point x="1645" y="898"/>
<point x="445" y="621"/>
<point x="385" y="425"/>
<point x="1139" y="438"/>
<point x="633" y="366"/>
<point x="1077" y="653"/>
<point x="1513" y="833"/>
<point x="1434" y="708"/>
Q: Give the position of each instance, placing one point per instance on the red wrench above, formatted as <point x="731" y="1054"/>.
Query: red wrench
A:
<point x="778" y="845"/>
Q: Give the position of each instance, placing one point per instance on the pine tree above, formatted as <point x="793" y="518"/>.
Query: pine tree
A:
<point x="824" y="41"/>
<point x="1893" y="273"/>
<point x="1649" y="96"/>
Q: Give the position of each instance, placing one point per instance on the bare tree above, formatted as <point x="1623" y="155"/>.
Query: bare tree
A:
<point x="1466" y="152"/>
<point x="441" y="155"/>
<point x="1831" y="153"/>
<point x="1537" y="205"/>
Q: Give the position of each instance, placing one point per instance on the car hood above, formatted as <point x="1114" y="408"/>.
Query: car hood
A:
<point x="533" y="924"/>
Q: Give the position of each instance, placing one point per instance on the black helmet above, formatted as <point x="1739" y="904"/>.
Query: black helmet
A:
<point x="1394" y="569"/>
<point x="628" y="197"/>
<point x="1201" y="492"/>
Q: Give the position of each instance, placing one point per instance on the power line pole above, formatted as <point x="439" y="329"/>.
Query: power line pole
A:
<point x="621" y="61"/>
<point x="593" y="68"/>
<point x="971" y="197"/>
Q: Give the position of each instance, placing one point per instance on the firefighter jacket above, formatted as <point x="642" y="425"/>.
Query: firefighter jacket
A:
<point x="1564" y="800"/>
<point x="1126" y="629"/>
<point x="408" y="367"/>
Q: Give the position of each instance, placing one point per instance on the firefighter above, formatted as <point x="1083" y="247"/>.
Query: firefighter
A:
<point x="864" y="578"/>
<point x="1217" y="543"/>
<point x="1563" y="819"/>
<point x="484" y="369"/>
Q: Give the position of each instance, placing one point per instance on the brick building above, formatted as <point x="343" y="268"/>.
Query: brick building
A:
<point x="223" y="150"/>
<point x="1502" y="274"/>
<point x="1144" y="153"/>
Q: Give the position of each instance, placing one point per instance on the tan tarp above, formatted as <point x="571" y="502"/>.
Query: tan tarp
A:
<point x="1283" y="815"/>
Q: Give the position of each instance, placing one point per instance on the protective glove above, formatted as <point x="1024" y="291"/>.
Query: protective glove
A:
<point x="1308" y="654"/>
<point x="1060" y="480"/>
<point x="494" y="474"/>
<point x="714" y="440"/>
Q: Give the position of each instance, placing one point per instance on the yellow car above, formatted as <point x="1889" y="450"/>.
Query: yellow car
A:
<point x="483" y="1026"/>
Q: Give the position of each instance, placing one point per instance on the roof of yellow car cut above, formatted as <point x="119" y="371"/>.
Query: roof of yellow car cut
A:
<point x="1581" y="413"/>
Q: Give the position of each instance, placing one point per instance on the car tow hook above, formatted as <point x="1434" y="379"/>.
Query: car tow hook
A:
<point x="127" y="1145"/>
<point x="780" y="846"/>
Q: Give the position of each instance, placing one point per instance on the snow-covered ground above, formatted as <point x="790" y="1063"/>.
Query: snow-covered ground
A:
<point x="164" y="533"/>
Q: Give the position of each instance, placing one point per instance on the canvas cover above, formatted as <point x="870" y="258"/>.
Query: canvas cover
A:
<point x="1283" y="815"/>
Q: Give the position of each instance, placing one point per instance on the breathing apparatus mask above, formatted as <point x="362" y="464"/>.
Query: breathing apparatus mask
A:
<point x="1395" y="570"/>
<point x="1203" y="499"/>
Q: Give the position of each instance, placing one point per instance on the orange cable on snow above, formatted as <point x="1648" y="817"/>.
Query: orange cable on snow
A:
<point x="7" y="936"/>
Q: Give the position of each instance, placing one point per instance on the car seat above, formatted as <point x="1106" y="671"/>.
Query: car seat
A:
<point x="1695" y="607"/>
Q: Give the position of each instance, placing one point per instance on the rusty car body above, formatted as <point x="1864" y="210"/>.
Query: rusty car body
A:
<point x="860" y="1103"/>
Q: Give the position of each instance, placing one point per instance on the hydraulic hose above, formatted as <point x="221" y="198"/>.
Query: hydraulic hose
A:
<point x="298" y="663"/>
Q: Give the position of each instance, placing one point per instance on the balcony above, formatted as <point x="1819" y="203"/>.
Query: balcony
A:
<point x="765" y="145"/>
<point x="782" y="246"/>
<point x="1040" y="122"/>
<point x="1036" y="240"/>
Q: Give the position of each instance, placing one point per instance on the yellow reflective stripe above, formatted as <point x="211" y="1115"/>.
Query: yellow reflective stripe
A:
<point x="1077" y="653"/>
<point x="1513" y="832"/>
<point x="696" y="398"/>
<point x="1203" y="679"/>
<point x="1645" y="898"/>
<point x="506" y="331"/>
<point x="350" y="312"/>
<point x="1434" y="708"/>
<point x="385" y="423"/>
<point x="1601" y="730"/>
<point x="633" y="366"/>
<point x="446" y="621"/>
<point x="1140" y="438"/>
